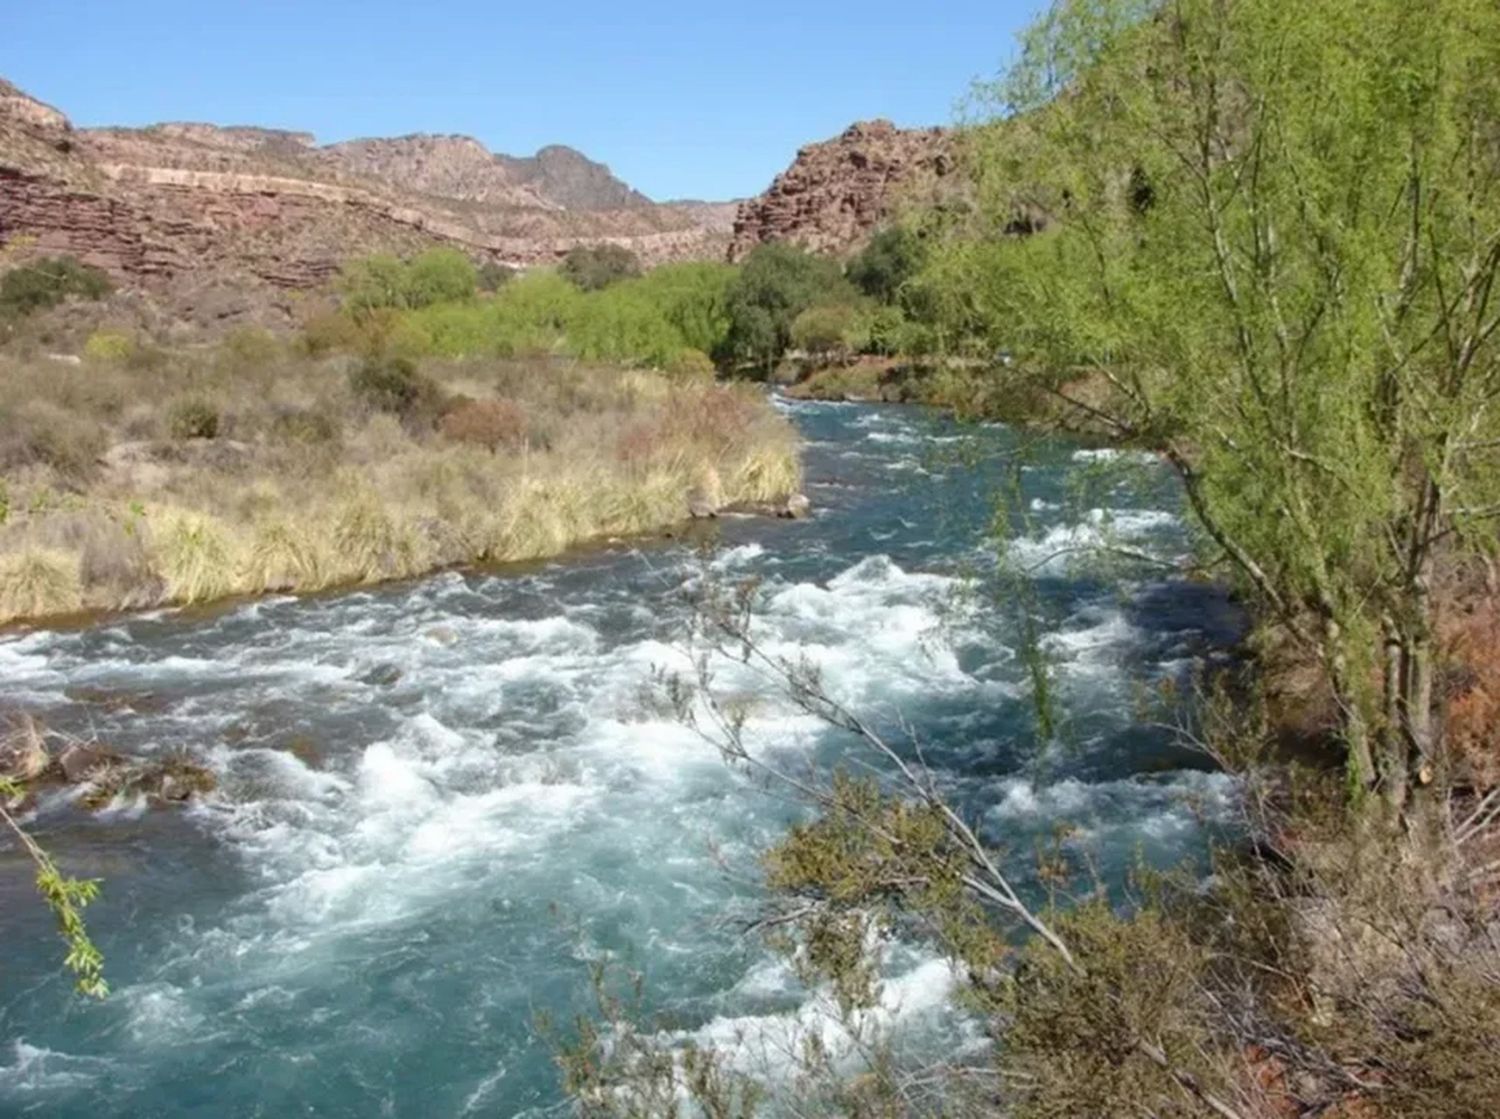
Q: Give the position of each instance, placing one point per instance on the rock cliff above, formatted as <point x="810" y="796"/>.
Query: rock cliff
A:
<point x="835" y="193"/>
<point x="177" y="207"/>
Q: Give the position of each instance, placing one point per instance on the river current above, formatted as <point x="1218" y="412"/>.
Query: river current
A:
<point x="441" y="801"/>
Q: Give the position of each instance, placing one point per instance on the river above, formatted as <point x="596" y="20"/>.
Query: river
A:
<point x="441" y="800"/>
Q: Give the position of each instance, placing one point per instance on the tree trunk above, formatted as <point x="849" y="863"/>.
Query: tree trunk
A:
<point x="1356" y="727"/>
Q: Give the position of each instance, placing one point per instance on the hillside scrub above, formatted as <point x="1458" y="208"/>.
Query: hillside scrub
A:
<point x="197" y="477"/>
<point x="45" y="282"/>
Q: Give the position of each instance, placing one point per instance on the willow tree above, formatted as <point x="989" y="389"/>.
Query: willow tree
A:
<point x="1270" y="241"/>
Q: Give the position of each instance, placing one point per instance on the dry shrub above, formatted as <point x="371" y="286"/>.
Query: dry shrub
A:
<point x="114" y="564"/>
<point x="282" y="557"/>
<point x="1072" y="1043"/>
<point x="38" y="582"/>
<point x="40" y="433"/>
<point x="193" y="418"/>
<point x="490" y="424"/>
<point x="1473" y="692"/>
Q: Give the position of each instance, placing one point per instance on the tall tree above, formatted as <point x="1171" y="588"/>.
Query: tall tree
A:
<point x="1271" y="240"/>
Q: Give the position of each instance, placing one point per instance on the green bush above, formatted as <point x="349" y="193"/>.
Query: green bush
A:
<point x="691" y="365"/>
<point x="595" y="267"/>
<point x="47" y="282"/>
<point x="193" y="418"/>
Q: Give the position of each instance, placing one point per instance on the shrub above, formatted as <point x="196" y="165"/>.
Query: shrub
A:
<point x="48" y="281"/>
<point x="41" y="433"/>
<point x="439" y="276"/>
<point x="393" y="384"/>
<point x="194" y="556"/>
<point x="306" y="425"/>
<point x="193" y="418"/>
<point x="492" y="277"/>
<point x="329" y="332"/>
<point x="248" y="347"/>
<point x="595" y="267"/>
<point x="485" y="423"/>
<point x="38" y="582"/>
<point x="109" y="345"/>
<point x="827" y="331"/>
<point x="691" y="365"/>
<point x="373" y="282"/>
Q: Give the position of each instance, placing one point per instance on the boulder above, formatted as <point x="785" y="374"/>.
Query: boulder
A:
<point x="797" y="507"/>
<point x="80" y="761"/>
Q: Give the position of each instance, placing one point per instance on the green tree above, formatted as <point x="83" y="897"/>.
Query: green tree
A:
<point x="439" y="276"/>
<point x="827" y="332"/>
<point x="693" y="296"/>
<point x="882" y="268"/>
<point x="373" y="283"/>
<point x="776" y="283"/>
<point x="1272" y="235"/>
<point x="595" y="267"/>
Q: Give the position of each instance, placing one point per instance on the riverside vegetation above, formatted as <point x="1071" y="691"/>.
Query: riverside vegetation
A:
<point x="141" y="474"/>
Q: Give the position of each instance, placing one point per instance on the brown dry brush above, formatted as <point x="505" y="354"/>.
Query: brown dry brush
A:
<point x="1323" y="968"/>
<point x="147" y="476"/>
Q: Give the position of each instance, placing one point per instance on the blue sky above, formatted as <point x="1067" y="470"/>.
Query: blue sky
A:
<point x="703" y="101"/>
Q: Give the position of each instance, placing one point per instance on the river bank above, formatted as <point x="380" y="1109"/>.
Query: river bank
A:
<point x="191" y="479"/>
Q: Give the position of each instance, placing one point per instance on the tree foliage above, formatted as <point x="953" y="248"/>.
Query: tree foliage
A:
<point x="882" y="268"/>
<point x="385" y="281"/>
<point x="66" y="897"/>
<point x="1272" y="234"/>
<point x="596" y="267"/>
<point x="776" y="283"/>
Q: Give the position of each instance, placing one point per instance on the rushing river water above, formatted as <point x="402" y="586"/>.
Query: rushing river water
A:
<point x="439" y="801"/>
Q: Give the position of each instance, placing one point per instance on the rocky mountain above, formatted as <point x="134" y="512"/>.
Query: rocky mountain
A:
<point x="181" y="207"/>
<point x="836" y="192"/>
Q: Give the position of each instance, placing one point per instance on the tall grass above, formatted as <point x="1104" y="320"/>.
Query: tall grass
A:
<point x="277" y="502"/>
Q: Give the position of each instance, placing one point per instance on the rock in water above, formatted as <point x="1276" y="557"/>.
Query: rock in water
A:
<point x="23" y="754"/>
<point x="79" y="761"/>
<point x="797" y="507"/>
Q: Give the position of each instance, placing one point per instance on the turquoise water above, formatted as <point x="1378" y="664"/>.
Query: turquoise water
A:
<point x="441" y="801"/>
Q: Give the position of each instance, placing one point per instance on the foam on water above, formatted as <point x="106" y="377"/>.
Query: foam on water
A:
<point x="438" y="801"/>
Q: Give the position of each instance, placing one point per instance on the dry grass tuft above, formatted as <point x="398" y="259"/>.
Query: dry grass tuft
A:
<point x="37" y="583"/>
